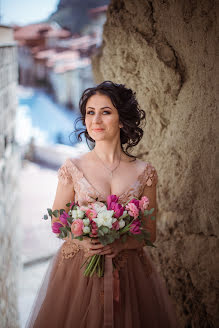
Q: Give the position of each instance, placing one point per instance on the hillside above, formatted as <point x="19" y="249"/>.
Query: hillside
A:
<point x="73" y="14"/>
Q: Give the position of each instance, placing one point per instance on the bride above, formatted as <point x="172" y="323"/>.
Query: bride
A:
<point x="132" y="295"/>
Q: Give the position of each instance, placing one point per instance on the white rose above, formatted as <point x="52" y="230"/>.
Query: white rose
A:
<point x="121" y="224"/>
<point x="80" y="214"/>
<point x="86" y="222"/>
<point x="86" y="230"/>
<point x="104" y="218"/>
<point x="74" y="214"/>
<point x="99" y="208"/>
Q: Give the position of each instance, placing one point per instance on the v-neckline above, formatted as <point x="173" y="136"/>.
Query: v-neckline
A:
<point x="100" y="193"/>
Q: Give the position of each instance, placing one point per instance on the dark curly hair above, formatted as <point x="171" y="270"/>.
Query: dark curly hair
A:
<point x="130" y="115"/>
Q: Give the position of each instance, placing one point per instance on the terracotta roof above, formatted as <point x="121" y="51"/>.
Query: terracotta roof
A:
<point x="58" y="33"/>
<point x="62" y="56"/>
<point x="38" y="31"/>
<point x="98" y="10"/>
<point x="72" y="66"/>
<point x="33" y="31"/>
<point x="45" y="54"/>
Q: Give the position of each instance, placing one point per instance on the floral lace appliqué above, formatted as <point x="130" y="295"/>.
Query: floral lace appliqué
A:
<point x="68" y="250"/>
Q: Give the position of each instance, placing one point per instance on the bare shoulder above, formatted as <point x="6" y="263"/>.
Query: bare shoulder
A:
<point x="80" y="158"/>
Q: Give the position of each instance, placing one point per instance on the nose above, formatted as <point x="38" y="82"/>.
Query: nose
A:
<point x="97" y="118"/>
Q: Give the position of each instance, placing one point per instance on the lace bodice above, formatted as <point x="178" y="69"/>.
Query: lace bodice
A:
<point x="85" y="192"/>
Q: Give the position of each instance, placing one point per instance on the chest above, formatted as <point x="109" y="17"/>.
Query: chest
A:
<point x="123" y="178"/>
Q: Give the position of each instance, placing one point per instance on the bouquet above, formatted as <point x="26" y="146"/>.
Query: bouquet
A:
<point x="106" y="221"/>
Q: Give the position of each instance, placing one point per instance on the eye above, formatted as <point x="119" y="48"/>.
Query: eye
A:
<point x="89" y="112"/>
<point x="106" y="111"/>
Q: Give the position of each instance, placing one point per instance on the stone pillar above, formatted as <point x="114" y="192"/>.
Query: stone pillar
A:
<point x="165" y="51"/>
<point x="9" y="170"/>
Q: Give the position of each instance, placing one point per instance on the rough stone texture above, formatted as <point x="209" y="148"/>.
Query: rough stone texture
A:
<point x="165" y="51"/>
<point x="9" y="170"/>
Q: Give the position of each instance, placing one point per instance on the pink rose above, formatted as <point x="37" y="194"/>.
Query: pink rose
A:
<point x="91" y="214"/>
<point x="63" y="218"/>
<point x="135" y="201"/>
<point x="55" y="227"/>
<point x="144" y="203"/>
<point x="111" y="199"/>
<point x="77" y="227"/>
<point x="132" y="210"/>
<point x="135" y="227"/>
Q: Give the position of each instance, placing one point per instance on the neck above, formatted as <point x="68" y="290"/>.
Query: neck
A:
<point x="108" y="151"/>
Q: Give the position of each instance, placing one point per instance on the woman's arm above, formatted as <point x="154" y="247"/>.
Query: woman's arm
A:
<point x="64" y="194"/>
<point x="150" y="225"/>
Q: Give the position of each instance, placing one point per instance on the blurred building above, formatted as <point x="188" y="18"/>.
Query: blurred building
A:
<point x="50" y="55"/>
<point x="9" y="171"/>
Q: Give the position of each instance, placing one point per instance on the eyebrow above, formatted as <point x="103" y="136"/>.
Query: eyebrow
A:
<point x="101" y="107"/>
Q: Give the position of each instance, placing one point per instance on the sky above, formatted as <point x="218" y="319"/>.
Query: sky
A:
<point x="24" y="12"/>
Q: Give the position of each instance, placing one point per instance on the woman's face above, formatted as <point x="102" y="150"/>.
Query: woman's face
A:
<point x="102" y="118"/>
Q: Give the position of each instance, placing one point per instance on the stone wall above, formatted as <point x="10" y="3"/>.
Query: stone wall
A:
<point x="165" y="51"/>
<point x="9" y="170"/>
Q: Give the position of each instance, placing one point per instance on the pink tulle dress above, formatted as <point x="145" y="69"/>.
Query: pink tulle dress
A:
<point x="131" y="296"/>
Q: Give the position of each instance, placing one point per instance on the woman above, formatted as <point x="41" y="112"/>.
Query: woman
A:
<point x="132" y="295"/>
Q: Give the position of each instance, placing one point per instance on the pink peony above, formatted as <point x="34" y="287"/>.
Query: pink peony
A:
<point x="135" y="201"/>
<point x="115" y="225"/>
<point x="56" y="226"/>
<point x="132" y="210"/>
<point x="111" y="199"/>
<point x="118" y="209"/>
<point x="63" y="218"/>
<point x="77" y="227"/>
<point x="144" y="203"/>
<point x="135" y="227"/>
<point x="91" y="214"/>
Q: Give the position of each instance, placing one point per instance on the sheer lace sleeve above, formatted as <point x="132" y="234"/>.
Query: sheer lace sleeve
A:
<point x="149" y="181"/>
<point x="150" y="178"/>
<point x="65" y="174"/>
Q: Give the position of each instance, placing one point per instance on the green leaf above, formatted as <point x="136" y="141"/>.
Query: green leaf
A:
<point x="61" y="211"/>
<point x="68" y="204"/>
<point x="79" y="237"/>
<point x="63" y="235"/>
<point x="151" y="211"/>
<point x="49" y="211"/>
<point x="105" y="230"/>
<point x="69" y="220"/>
<point x="45" y="217"/>
<point x="153" y="218"/>
<point x="103" y="240"/>
<point x="56" y="213"/>
<point x="100" y="233"/>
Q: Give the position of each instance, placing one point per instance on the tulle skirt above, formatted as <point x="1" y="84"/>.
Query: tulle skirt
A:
<point x="68" y="299"/>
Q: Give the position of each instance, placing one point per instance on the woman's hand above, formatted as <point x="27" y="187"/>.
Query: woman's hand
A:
<point x="93" y="247"/>
<point x="111" y="250"/>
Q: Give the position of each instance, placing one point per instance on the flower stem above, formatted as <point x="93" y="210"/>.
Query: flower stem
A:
<point x="94" y="268"/>
<point x="90" y="264"/>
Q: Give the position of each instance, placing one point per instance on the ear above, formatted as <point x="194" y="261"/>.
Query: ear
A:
<point x="120" y="125"/>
